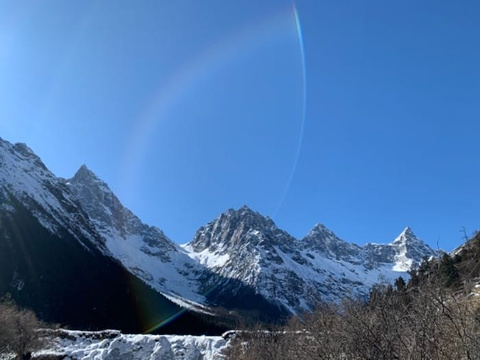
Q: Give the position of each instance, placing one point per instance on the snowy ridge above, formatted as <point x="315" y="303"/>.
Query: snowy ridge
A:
<point x="239" y="251"/>
<point x="85" y="207"/>
<point x="296" y="274"/>
<point x="144" y="250"/>
<point x="113" y="345"/>
<point x="24" y="177"/>
<point x="402" y="261"/>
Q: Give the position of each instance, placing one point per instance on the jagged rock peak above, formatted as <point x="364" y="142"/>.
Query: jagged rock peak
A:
<point x="84" y="173"/>
<point x="319" y="229"/>
<point x="322" y="239"/>
<point x="103" y="206"/>
<point x="243" y="210"/>
<point x="86" y="177"/>
<point x="246" y="216"/>
<point x="234" y="228"/>
<point x="85" y="170"/>
<point x="245" y="207"/>
<point x="408" y="231"/>
<point x="22" y="151"/>
<point x="409" y="250"/>
<point x="407" y="236"/>
<point x="321" y="234"/>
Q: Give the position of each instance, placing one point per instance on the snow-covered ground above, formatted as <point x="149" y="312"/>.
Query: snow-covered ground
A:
<point x="113" y="345"/>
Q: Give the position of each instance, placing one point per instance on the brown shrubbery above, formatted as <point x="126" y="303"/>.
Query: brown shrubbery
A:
<point x="428" y="318"/>
<point x="20" y="332"/>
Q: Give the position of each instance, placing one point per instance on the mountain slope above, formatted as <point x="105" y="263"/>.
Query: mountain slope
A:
<point x="53" y="260"/>
<point x="144" y="250"/>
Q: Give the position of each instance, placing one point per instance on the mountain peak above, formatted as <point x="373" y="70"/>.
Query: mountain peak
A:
<point x="322" y="239"/>
<point x="406" y="236"/>
<point x="23" y="148"/>
<point x="24" y="152"/>
<point x="86" y="177"/>
<point x="244" y="210"/>
<point x="245" y="213"/>
<point x="84" y="172"/>
<point x="319" y="227"/>
<point x="234" y="228"/>
<point x="408" y="231"/>
<point x="409" y="250"/>
<point x="84" y="168"/>
<point x="321" y="233"/>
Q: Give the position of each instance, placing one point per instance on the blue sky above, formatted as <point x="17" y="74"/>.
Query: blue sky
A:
<point x="367" y="120"/>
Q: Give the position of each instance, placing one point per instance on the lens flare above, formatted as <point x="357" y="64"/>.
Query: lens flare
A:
<point x="231" y="48"/>
<point x="304" y="109"/>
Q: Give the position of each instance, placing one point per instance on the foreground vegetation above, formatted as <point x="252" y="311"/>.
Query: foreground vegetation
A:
<point x="436" y="315"/>
<point x="20" y="332"/>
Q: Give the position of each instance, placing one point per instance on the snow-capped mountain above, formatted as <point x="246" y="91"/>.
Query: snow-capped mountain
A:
<point x="144" y="250"/>
<point x="326" y="243"/>
<point x="245" y="246"/>
<point x="240" y="260"/>
<point x="56" y="258"/>
<point x="24" y="177"/>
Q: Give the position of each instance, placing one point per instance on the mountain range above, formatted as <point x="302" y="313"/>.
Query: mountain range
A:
<point x="71" y="251"/>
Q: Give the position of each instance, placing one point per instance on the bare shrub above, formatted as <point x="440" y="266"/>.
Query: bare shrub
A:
<point x="421" y="322"/>
<point x="258" y="344"/>
<point x="20" y="332"/>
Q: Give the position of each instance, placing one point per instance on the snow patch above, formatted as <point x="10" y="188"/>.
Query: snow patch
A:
<point x="113" y="345"/>
<point x="207" y="258"/>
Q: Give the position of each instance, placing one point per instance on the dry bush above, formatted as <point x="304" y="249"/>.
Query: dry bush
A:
<point x="423" y="322"/>
<point x="259" y="344"/>
<point x="20" y="332"/>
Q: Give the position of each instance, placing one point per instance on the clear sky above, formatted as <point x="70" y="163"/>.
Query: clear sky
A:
<point x="362" y="115"/>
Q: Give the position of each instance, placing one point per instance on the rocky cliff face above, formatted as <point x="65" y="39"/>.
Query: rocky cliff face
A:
<point x="24" y="177"/>
<point x="143" y="250"/>
<point x="247" y="247"/>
